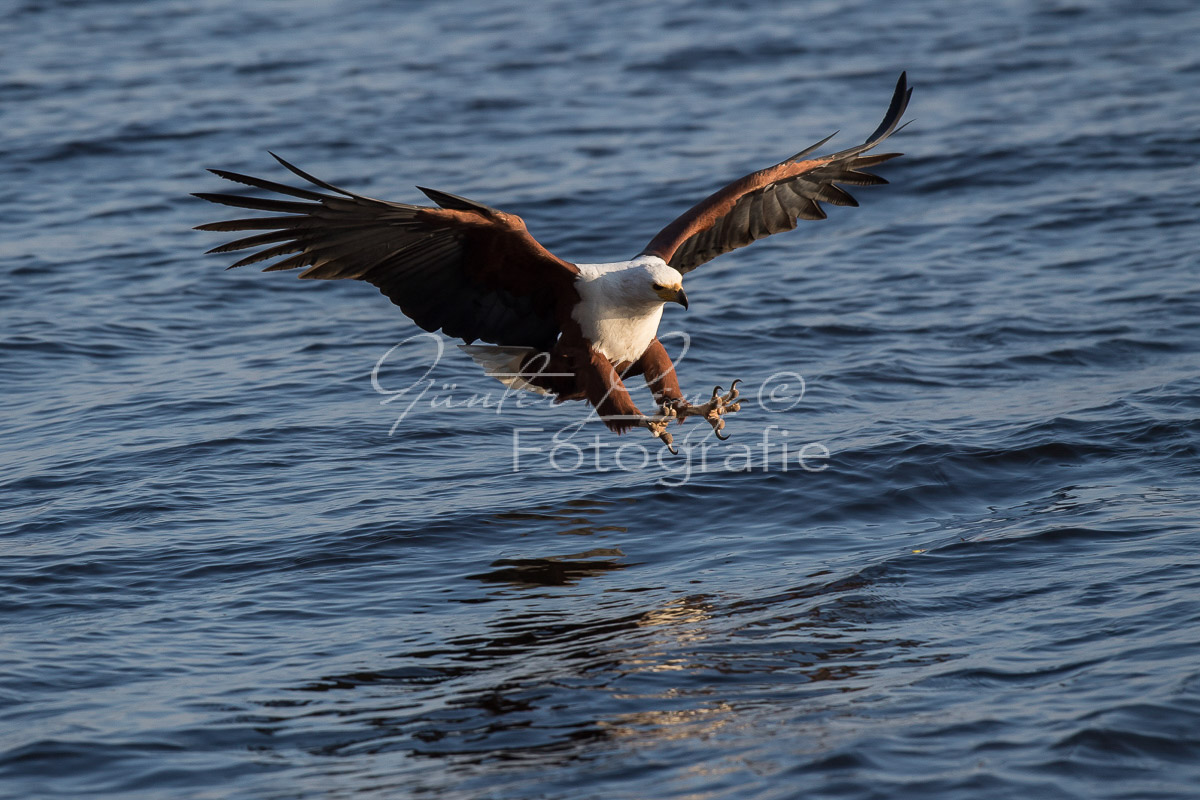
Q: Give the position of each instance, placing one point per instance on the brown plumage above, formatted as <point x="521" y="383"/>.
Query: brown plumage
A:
<point x="476" y="273"/>
<point x="773" y="199"/>
<point x="466" y="269"/>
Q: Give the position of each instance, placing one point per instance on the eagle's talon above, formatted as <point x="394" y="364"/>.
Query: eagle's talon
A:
<point x="658" y="427"/>
<point x="713" y="410"/>
<point x="717" y="423"/>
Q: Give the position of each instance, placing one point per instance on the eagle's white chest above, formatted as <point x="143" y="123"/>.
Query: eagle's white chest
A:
<point x="613" y="312"/>
<point x="623" y="339"/>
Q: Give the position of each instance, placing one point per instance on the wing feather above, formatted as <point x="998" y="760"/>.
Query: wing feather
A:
<point x="758" y="227"/>
<point x="464" y="268"/>
<point x="777" y="216"/>
<point x="756" y="205"/>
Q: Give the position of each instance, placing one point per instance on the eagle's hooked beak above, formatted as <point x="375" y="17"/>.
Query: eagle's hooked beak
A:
<point x="673" y="294"/>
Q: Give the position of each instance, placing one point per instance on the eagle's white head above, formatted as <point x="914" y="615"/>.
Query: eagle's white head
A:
<point x="621" y="304"/>
<point x="666" y="282"/>
<point x="645" y="283"/>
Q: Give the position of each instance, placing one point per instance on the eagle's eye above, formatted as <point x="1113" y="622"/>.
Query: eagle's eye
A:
<point x="658" y="287"/>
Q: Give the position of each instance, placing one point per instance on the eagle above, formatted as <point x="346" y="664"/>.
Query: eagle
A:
<point x="573" y="331"/>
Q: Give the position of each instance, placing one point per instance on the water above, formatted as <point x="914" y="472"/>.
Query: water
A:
<point x="222" y="577"/>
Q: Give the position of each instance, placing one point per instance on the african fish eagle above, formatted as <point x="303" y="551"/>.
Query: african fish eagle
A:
<point x="569" y="330"/>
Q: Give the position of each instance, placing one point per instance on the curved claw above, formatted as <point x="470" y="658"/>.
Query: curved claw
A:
<point x="717" y="424"/>
<point x="713" y="410"/>
<point x="658" y="427"/>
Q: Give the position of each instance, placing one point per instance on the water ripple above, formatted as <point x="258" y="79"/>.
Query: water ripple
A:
<point x="231" y="570"/>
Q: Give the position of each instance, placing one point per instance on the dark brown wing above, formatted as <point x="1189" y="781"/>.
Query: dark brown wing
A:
<point x="469" y="270"/>
<point x="771" y="200"/>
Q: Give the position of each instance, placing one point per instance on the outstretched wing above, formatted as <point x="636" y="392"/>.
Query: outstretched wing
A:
<point x="469" y="270"/>
<point x="771" y="200"/>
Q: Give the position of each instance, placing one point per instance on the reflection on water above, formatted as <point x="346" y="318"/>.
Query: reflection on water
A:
<point x="573" y="517"/>
<point x="541" y="680"/>
<point x="552" y="571"/>
<point x="700" y="717"/>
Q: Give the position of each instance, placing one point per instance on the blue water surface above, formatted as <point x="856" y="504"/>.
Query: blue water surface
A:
<point x="259" y="541"/>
